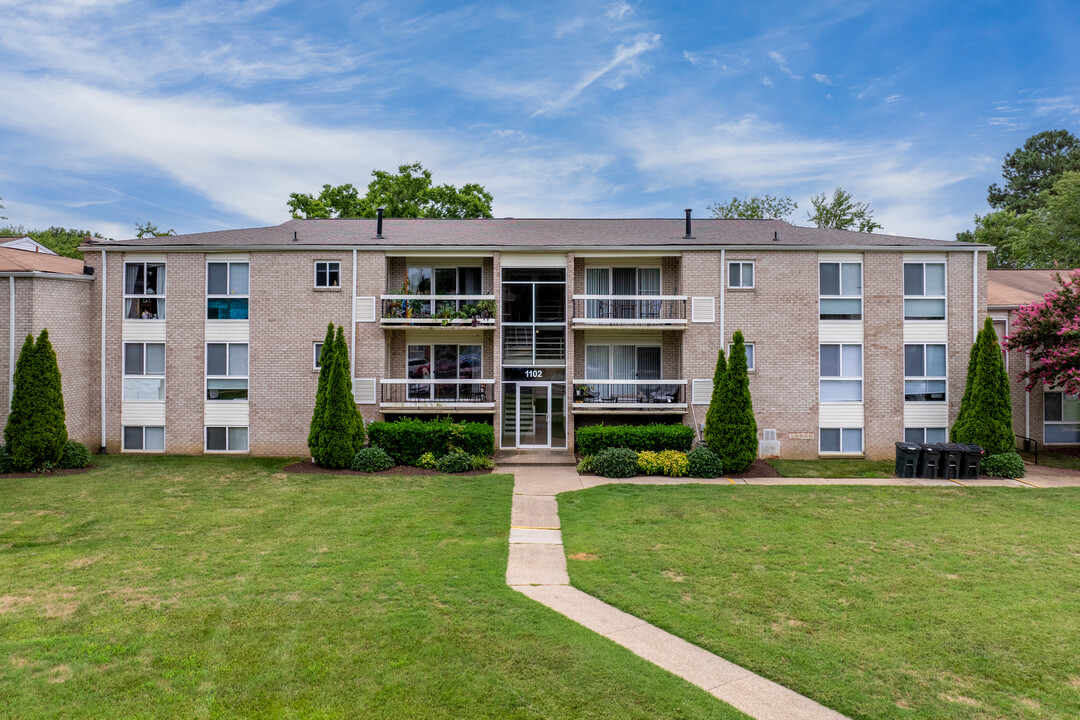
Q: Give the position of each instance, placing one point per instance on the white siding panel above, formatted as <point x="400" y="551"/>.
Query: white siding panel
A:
<point x="531" y="260"/>
<point x="845" y="415"/>
<point x="924" y="331"/>
<point x="364" y="308"/>
<point x="703" y="309"/>
<point x="142" y="413"/>
<point x="238" y="331"/>
<point x="228" y="257"/>
<point x="926" y="414"/>
<point x="623" y="337"/>
<point x="839" y="257"/>
<point x="702" y="391"/>
<point x="146" y="257"/>
<point x="840" y="331"/>
<point x="926" y="257"/>
<point x="440" y="336"/>
<point x="364" y="391"/>
<point x="233" y="413"/>
<point x="144" y="330"/>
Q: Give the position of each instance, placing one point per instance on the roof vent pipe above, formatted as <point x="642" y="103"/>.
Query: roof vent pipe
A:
<point x="775" y="238"/>
<point x="688" y="236"/>
<point x="378" y="223"/>
<point x="294" y="238"/>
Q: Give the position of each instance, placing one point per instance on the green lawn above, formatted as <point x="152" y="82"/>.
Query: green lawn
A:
<point x="835" y="468"/>
<point x="878" y="602"/>
<point x="222" y="587"/>
<point x="1054" y="459"/>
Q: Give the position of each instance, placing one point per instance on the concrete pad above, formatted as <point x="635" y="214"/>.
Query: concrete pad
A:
<point x="765" y="700"/>
<point x="545" y="480"/>
<point x="581" y="608"/>
<point x="536" y="565"/>
<point x="935" y="482"/>
<point x="679" y="657"/>
<point x="992" y="482"/>
<point x="591" y="481"/>
<point x="1053" y="482"/>
<point x="535" y="536"/>
<point x="535" y="511"/>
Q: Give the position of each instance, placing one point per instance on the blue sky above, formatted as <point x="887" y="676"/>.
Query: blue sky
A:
<point x="205" y="115"/>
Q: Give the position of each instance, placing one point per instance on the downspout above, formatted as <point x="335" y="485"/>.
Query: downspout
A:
<point x="723" y="280"/>
<point x="104" y="318"/>
<point x="352" y="347"/>
<point x="11" y="339"/>
<point x="1027" y="399"/>
<point x="974" y="295"/>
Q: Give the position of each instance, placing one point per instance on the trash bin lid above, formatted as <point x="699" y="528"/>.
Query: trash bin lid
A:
<point x="952" y="447"/>
<point x="969" y="448"/>
<point x="930" y="447"/>
<point x="909" y="447"/>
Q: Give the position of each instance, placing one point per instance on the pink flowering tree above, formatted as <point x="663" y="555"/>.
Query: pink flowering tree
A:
<point x="1050" y="332"/>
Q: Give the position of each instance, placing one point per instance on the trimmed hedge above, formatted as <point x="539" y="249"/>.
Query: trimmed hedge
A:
<point x="455" y="462"/>
<point x="615" y="463"/>
<point x="655" y="437"/>
<point x="75" y="455"/>
<point x="671" y="463"/>
<point x="406" y="440"/>
<point x="371" y="459"/>
<point x="1007" y="465"/>
<point x="704" y="463"/>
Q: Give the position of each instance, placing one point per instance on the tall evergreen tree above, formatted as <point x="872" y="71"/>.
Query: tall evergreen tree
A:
<point x="712" y="415"/>
<point x="326" y="354"/>
<point x="342" y="349"/>
<point x="738" y="428"/>
<point x="36" y="431"/>
<point x="988" y="420"/>
<point x="965" y="401"/>
<point x="331" y="442"/>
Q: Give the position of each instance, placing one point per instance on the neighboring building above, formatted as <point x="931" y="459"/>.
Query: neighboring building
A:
<point x="1048" y="416"/>
<point x="47" y="290"/>
<point x="24" y="242"/>
<point x="210" y="340"/>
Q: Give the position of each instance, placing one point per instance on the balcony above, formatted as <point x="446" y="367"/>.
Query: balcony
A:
<point x="450" y="311"/>
<point x="425" y="395"/>
<point x="667" y="312"/>
<point x="629" y="396"/>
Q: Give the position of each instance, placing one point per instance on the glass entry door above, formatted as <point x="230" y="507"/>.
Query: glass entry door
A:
<point x="533" y="415"/>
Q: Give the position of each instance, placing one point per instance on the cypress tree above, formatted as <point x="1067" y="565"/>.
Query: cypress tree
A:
<point x="712" y="415"/>
<point x="332" y="444"/>
<point x="326" y="356"/>
<point x="965" y="401"/>
<point x="36" y="431"/>
<point x="988" y="421"/>
<point x="343" y="357"/>
<point x="738" y="428"/>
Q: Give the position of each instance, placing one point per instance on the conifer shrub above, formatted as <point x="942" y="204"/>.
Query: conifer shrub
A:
<point x="987" y="421"/>
<point x="6" y="466"/>
<point x="734" y="432"/>
<point x="615" y="463"/>
<point x="714" y="415"/>
<point x="704" y="463"/>
<point x="454" y="462"/>
<point x="75" y="455"/>
<point x="654" y="437"/>
<point x="36" y="432"/>
<point x="1007" y="465"/>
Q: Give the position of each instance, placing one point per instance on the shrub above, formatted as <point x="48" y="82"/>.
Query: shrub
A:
<point x="654" y="437"/>
<point x="455" y="462"/>
<point x="704" y="463"/>
<point x="333" y="437"/>
<point x="615" y="463"/>
<point x="407" y="439"/>
<point x="371" y="459"/>
<point x="585" y="464"/>
<point x="733" y="433"/>
<point x="35" y="433"/>
<point x="987" y="420"/>
<point x="1007" y="465"/>
<point x="6" y="466"/>
<point x="668" y="462"/>
<point x="482" y="462"/>
<point x="75" y="455"/>
<point x="427" y="460"/>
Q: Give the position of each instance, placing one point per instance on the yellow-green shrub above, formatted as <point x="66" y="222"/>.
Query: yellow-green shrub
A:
<point x="668" y="462"/>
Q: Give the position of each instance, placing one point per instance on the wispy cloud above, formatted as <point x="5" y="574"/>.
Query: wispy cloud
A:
<point x="782" y="64"/>
<point x="767" y="81"/>
<point x="823" y="79"/>
<point x="619" y="11"/>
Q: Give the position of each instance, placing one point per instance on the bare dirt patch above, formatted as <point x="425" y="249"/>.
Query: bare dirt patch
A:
<point x="583" y="556"/>
<point x="60" y="674"/>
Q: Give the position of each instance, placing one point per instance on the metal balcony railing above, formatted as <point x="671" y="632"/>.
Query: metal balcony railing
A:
<point x="473" y="310"/>
<point x="404" y="391"/>
<point x="634" y="310"/>
<point x="629" y="392"/>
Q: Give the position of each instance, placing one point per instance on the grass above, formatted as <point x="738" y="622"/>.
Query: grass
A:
<point x="878" y="602"/>
<point x="834" y="468"/>
<point x="222" y="587"/>
<point x="1054" y="459"/>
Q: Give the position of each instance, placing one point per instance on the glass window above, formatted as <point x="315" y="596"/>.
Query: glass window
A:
<point x="924" y="291"/>
<point x="749" y="354"/>
<point x="226" y="371"/>
<point x="317" y="355"/>
<point x="551" y="303"/>
<point x="1061" y="416"/>
<point x="840" y="440"/>
<point x="227" y="291"/>
<point x="144" y="291"/>
<point x="446" y="281"/>
<point x="928" y="435"/>
<point x="841" y="373"/>
<point x="741" y="275"/>
<point x="144" y="438"/>
<point x="418" y="281"/>
<point x="840" y="288"/>
<point x="924" y="373"/>
<point x="517" y="303"/>
<point x="452" y="363"/>
<point x="144" y="371"/>
<point x="327" y="274"/>
<point x="550" y="347"/>
<point x="226" y="439"/>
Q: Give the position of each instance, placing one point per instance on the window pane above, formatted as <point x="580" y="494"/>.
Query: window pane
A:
<point x="446" y="361"/>
<point x="155" y="358"/>
<point x="733" y="275"/>
<point x="517" y="303"/>
<point x="134" y="279"/>
<point x="226" y="389"/>
<point x="318" y="354"/>
<point x="238" y="439"/>
<point x="829" y="278"/>
<point x="133" y="438"/>
<point x="470" y="281"/>
<point x="155" y="438"/>
<point x="550" y="346"/>
<point x="936" y="435"/>
<point x="217" y="279"/>
<point x="596" y="362"/>
<point x="852" y="440"/>
<point x="238" y="359"/>
<point x="143" y="389"/>
<point x="1070" y="409"/>
<point x="841" y="391"/>
<point x="913" y="361"/>
<point x="913" y="278"/>
<point x="551" y="303"/>
<point x="419" y="281"/>
<point x="830" y="361"/>
<point x="649" y="281"/>
<point x="320" y="275"/>
<point x="517" y="346"/>
<point x="133" y="358"/>
<point x="748" y="275"/>
<point x="333" y="273"/>
<point x="446" y="281"/>
<point x="851" y="278"/>
<point x="227" y="309"/>
<point x="830" y="440"/>
<point x="913" y="435"/>
<point x="419" y="362"/>
<point x="1062" y="433"/>
<point x="935" y="278"/>
<point x="217" y="359"/>
<point x="238" y="278"/>
<point x="155" y="279"/>
<point x="648" y="363"/>
<point x="836" y="309"/>
<point x="470" y="362"/>
<point x="924" y="390"/>
<point x="851" y="366"/>
<point x="749" y="357"/>
<point x="920" y="309"/>
<point x="1052" y="407"/>
<point x="215" y="438"/>
<point x="935" y="361"/>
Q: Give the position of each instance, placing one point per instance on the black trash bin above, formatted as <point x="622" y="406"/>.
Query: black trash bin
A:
<point x="929" y="460"/>
<point x="907" y="459"/>
<point x="969" y="463"/>
<point x="952" y="455"/>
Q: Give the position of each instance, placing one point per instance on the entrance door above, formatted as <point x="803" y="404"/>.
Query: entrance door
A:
<point x="533" y="415"/>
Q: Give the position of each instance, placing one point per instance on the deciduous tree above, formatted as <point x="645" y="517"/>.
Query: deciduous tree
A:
<point x="765" y="207"/>
<point x="1050" y="332"/>
<point x="841" y="212"/>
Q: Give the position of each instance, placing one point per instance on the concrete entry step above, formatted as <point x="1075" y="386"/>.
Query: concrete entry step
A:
<point x="534" y="458"/>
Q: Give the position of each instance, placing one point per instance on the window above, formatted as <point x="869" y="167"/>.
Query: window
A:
<point x="435" y="281"/>
<point x="144" y="372"/>
<point x="149" y="439"/>
<point x="226" y="439"/>
<point x="1061" y="418"/>
<point x="316" y="362"/>
<point x="841" y="440"/>
<point x="451" y="363"/>
<point x="226" y="291"/>
<point x="924" y="373"/>
<point x="841" y="373"/>
<point x="327" y="274"/>
<point x="623" y="281"/>
<point x="924" y="291"/>
<point x="144" y="291"/>
<point x="534" y="317"/>
<point x="926" y="435"/>
<point x="840" y="287"/>
<point x="749" y="355"/>
<point x="740" y="275"/>
<point x="226" y="371"/>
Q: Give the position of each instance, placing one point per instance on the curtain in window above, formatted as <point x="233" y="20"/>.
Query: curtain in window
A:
<point x="133" y="279"/>
<point x="648" y="363"/>
<point x="596" y="283"/>
<point x="624" y="281"/>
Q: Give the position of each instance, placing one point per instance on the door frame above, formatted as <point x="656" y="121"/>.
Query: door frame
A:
<point x="517" y="419"/>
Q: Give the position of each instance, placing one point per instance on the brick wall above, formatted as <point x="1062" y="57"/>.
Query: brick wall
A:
<point x="883" y="353"/>
<point x="185" y="351"/>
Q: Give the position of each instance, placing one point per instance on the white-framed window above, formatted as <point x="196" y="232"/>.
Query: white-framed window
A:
<point x="226" y="371"/>
<point x="640" y="365"/>
<point x="226" y="439"/>
<point x="327" y="274"/>
<point x="841" y="373"/>
<point x="144" y="291"/>
<point x="1061" y="418"/>
<point x="924" y="291"/>
<point x="840" y="440"/>
<point x="444" y="362"/>
<point x="227" y="290"/>
<point x="740" y="275"/>
<point x="1001" y="328"/>
<point x="316" y="348"/>
<point x="749" y="354"/>
<point x="623" y="281"/>
<point x="144" y="372"/>
<point x="840" y="290"/>
<point x="139" y="438"/>
<point x="925" y="373"/>
<point x="435" y="281"/>
<point x="926" y="435"/>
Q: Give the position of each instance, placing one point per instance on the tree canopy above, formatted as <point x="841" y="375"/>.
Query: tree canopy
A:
<point x="841" y="212"/>
<point x="1050" y="332"/>
<point x="1033" y="168"/>
<point x="62" y="241"/>
<point x="764" y="207"/>
<point x="407" y="194"/>
<point x="151" y="230"/>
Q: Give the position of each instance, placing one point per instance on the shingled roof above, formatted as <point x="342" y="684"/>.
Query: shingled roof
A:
<point x="1013" y="288"/>
<point x="537" y="234"/>
<point x="15" y="260"/>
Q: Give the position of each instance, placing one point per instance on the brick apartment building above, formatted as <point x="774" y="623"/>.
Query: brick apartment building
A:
<point x="209" y="342"/>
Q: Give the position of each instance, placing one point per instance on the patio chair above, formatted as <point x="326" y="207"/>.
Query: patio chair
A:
<point x="664" y="394"/>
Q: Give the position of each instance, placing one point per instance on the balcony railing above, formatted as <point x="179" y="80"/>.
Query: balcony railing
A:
<point x="428" y="310"/>
<point x="637" y="393"/>
<point x="435" y="393"/>
<point x="630" y="310"/>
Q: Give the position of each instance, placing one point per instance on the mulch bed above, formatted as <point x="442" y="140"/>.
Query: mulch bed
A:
<point x="310" y="468"/>
<point x="758" y="469"/>
<point x="50" y="473"/>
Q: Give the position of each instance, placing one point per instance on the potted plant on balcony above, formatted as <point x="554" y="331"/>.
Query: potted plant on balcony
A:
<point x="486" y="308"/>
<point x="446" y="312"/>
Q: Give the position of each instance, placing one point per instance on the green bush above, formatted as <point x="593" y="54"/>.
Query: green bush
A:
<point x="615" y="463"/>
<point x="427" y="461"/>
<point x="1007" y="465"/>
<point x="732" y="433"/>
<point x="482" y="462"/>
<point x="409" y="438"/>
<point x="987" y="419"/>
<point x="337" y="431"/>
<point x="585" y="464"/>
<point x="655" y="437"/>
<point x="704" y="463"/>
<point x="671" y="463"/>
<point x="371" y="459"/>
<point x="75" y="455"/>
<point x="35" y="433"/>
<point x="6" y="466"/>
<point x="455" y="462"/>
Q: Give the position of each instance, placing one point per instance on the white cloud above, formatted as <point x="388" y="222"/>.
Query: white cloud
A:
<point x="619" y="11"/>
<point x="767" y="81"/>
<point x="782" y="64"/>
<point x="823" y="79"/>
<point x="892" y="98"/>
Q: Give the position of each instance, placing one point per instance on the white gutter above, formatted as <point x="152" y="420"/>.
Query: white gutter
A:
<point x="974" y="295"/>
<point x="11" y="339"/>
<point x="723" y="280"/>
<point x="352" y="300"/>
<point x="104" y="320"/>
